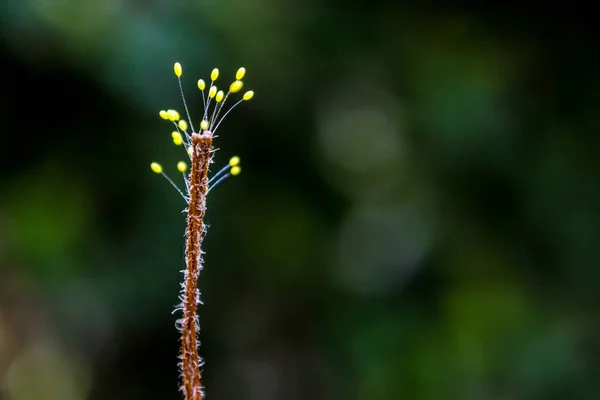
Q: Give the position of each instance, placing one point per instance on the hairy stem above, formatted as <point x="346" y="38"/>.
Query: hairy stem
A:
<point x="198" y="182"/>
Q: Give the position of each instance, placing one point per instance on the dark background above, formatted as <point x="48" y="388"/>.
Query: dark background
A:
<point x="417" y="216"/>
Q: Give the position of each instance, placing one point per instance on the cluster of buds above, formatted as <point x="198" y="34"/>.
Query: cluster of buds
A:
<point x="214" y="101"/>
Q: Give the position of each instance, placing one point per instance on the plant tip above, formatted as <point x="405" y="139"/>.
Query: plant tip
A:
<point x="177" y="69"/>
<point x="173" y="115"/>
<point x="233" y="161"/>
<point x="236" y="86"/>
<point x="156" y="167"/>
<point x="177" y="139"/>
<point x="182" y="166"/>
<point x="241" y="72"/>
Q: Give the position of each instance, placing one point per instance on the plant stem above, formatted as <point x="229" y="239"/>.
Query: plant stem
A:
<point x="198" y="181"/>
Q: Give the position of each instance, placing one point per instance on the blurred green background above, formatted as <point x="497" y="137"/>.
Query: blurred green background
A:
<point x="417" y="216"/>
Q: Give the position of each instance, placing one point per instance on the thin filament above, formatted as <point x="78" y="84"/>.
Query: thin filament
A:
<point x="187" y="183"/>
<point x="221" y="172"/>
<point x="217" y="110"/>
<point x="218" y="181"/>
<point x="184" y="104"/>
<point x="207" y="105"/>
<point x="223" y="117"/>
<point x="175" y="186"/>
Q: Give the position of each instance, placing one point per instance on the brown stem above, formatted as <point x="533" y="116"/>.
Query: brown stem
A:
<point x="198" y="181"/>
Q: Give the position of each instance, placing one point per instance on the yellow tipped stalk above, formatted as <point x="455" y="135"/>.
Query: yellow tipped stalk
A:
<point x="233" y="161"/>
<point x="156" y="167"/>
<point x="177" y="69"/>
<point x="236" y="86"/>
<point x="181" y="166"/>
<point x="241" y="72"/>
<point x="173" y="115"/>
<point x="214" y="74"/>
<point x="182" y="125"/>
<point x="177" y="139"/>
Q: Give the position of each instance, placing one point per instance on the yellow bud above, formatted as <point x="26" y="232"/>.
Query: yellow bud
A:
<point x="201" y="84"/>
<point x="236" y="170"/>
<point x="236" y="86"/>
<point x="177" y="139"/>
<point x="204" y="124"/>
<point x="214" y="74"/>
<point x="220" y="95"/>
<point x="181" y="166"/>
<point x="212" y="92"/>
<point x="163" y="114"/>
<point x="177" y="69"/>
<point x="156" y="167"/>
<point x="233" y="161"/>
<point x="183" y="125"/>
<point x="190" y="151"/>
<point x="173" y="115"/>
<point x="248" y="95"/>
<point x="240" y="73"/>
